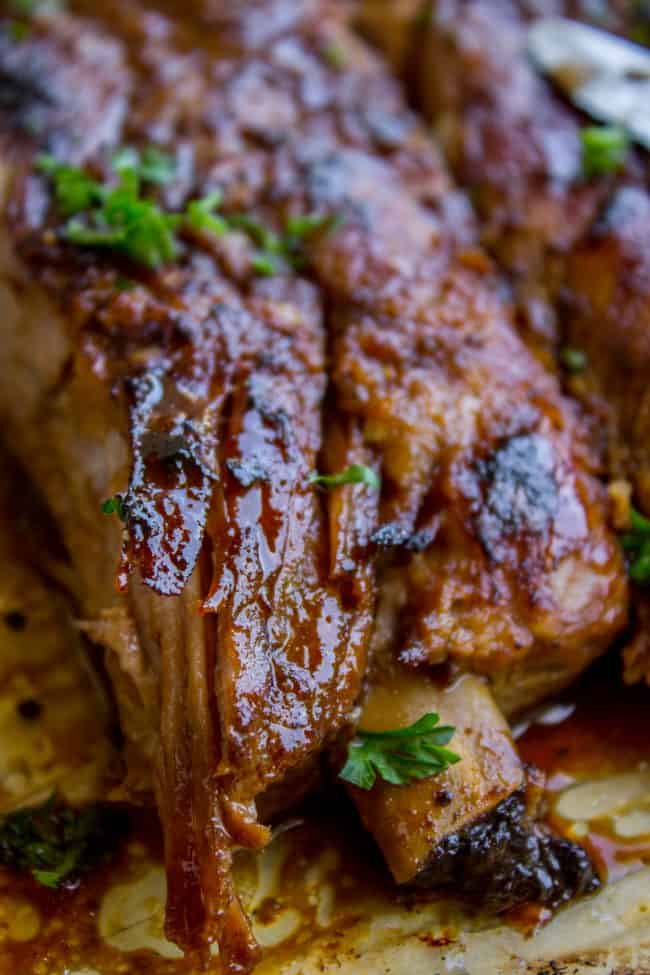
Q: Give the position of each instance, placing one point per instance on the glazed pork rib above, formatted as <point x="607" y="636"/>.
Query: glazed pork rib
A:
<point x="577" y="249"/>
<point x="194" y="394"/>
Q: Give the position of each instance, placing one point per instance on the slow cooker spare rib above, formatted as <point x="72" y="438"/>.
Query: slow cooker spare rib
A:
<point x="232" y="260"/>
<point x="567" y="223"/>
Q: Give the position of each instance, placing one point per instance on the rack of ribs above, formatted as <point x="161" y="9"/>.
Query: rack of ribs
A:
<point x="257" y="619"/>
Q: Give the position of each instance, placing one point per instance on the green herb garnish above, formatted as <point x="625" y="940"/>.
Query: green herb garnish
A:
<point x="298" y="231"/>
<point x="335" y="56"/>
<point x="354" y="474"/>
<point x="401" y="756"/>
<point x="574" y="360"/>
<point x="116" y="215"/>
<point x="18" y="31"/>
<point x="636" y="543"/>
<point x="277" y="250"/>
<point x="28" y="8"/>
<point x="56" y="843"/>
<point x="115" y="506"/>
<point x="152" y="165"/>
<point x="604" y="149"/>
<point x="201" y="216"/>
<point x="265" y="265"/>
<point x="124" y="284"/>
<point x="74" y="190"/>
<point x="424" y="19"/>
<point x="266" y="239"/>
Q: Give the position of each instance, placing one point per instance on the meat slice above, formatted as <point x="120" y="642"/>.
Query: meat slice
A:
<point x="489" y="495"/>
<point x="576" y="249"/>
<point x="607" y="300"/>
<point x="235" y="656"/>
<point x="511" y="140"/>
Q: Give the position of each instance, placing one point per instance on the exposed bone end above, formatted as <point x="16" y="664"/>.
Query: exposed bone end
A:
<point x="408" y="822"/>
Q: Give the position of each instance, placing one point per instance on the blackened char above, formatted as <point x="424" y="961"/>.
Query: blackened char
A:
<point x="510" y="859"/>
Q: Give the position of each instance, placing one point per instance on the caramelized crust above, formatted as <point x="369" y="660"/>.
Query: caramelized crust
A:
<point x="575" y="249"/>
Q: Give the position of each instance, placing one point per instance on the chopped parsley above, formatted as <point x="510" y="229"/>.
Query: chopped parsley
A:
<point x="424" y="19"/>
<point x="18" y="31"/>
<point x="266" y="265"/>
<point x="335" y="56"/>
<point x="124" y="284"/>
<point x="604" y="149"/>
<point x="56" y="843"/>
<point x="201" y="216"/>
<point x="117" y="217"/>
<point x="115" y="506"/>
<point x="299" y="229"/>
<point x="636" y="544"/>
<point x="29" y="8"/>
<point x="115" y="214"/>
<point x="401" y="756"/>
<point x="573" y="360"/>
<point x="354" y="474"/>
<point x="74" y="190"/>
<point x="279" y="250"/>
<point x="152" y="165"/>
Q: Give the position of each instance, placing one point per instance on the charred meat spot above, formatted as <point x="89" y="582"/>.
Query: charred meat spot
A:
<point x="170" y="486"/>
<point x="393" y="535"/>
<point x="510" y="860"/>
<point x="29" y="708"/>
<point x="388" y="131"/>
<point x="15" y="620"/>
<point x="174" y="450"/>
<point x="444" y="797"/>
<point x="259" y="400"/>
<point x="327" y="180"/>
<point x="247" y="472"/>
<point x="24" y="101"/>
<point x="517" y="491"/>
<point x="623" y="210"/>
<point x="420" y="540"/>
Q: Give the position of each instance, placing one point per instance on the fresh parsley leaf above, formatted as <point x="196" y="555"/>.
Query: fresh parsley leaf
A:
<point x="574" y="360"/>
<point x="115" y="506"/>
<point x="354" y="474"/>
<point x="268" y="241"/>
<point x="74" y="191"/>
<point x="604" y="149"/>
<point x="304" y="225"/>
<point x="401" y="756"/>
<point x="28" y="8"/>
<point x="18" y="31"/>
<point x="335" y="56"/>
<point x="152" y="165"/>
<point x="424" y="19"/>
<point x="116" y="217"/>
<point x="636" y="543"/>
<point x="157" y="166"/>
<point x="56" y="843"/>
<point x="201" y="216"/>
<point x="123" y="283"/>
<point x="265" y="264"/>
<point x="138" y="228"/>
<point x="120" y="218"/>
